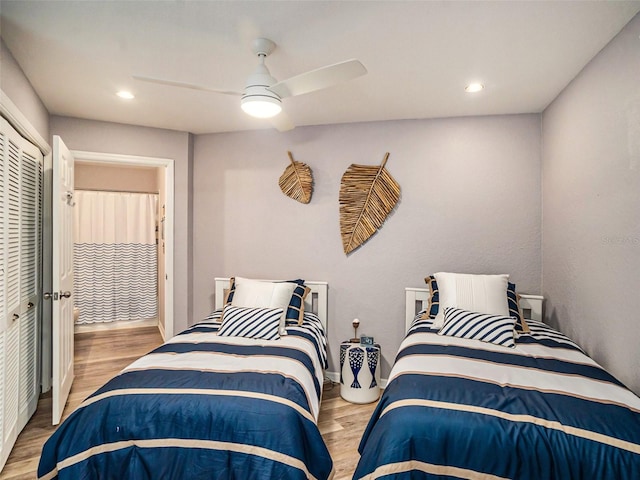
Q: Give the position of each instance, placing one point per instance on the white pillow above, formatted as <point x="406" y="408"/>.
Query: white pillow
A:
<point x="263" y="294"/>
<point x="475" y="293"/>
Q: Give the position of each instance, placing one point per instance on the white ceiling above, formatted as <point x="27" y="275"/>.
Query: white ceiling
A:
<point x="419" y="56"/>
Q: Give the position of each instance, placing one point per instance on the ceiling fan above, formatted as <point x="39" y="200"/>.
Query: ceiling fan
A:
<point x="262" y="95"/>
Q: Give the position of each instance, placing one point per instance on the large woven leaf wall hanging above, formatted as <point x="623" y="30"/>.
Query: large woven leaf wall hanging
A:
<point x="367" y="196"/>
<point x="297" y="181"/>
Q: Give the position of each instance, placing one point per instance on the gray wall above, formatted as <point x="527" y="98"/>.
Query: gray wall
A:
<point x="17" y="87"/>
<point x="591" y="219"/>
<point x="470" y="202"/>
<point x="115" y="138"/>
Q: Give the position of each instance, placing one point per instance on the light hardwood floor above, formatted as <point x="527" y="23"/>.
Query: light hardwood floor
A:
<point x="100" y="355"/>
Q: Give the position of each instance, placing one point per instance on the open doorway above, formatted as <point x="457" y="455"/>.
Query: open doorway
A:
<point x="145" y="175"/>
<point x="166" y="189"/>
<point x="118" y="249"/>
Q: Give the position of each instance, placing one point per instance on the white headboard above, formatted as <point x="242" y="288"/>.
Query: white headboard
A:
<point x="418" y="299"/>
<point x="316" y="301"/>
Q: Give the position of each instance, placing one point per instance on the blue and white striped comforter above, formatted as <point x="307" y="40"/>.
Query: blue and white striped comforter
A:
<point x="201" y="407"/>
<point x="458" y="408"/>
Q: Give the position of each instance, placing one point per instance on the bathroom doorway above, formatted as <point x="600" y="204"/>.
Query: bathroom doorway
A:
<point x="147" y="184"/>
<point x="115" y="247"/>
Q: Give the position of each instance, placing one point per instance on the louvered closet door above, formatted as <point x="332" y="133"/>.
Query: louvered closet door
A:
<point x="20" y="246"/>
<point x="3" y="288"/>
<point x="30" y="222"/>
<point x="11" y="268"/>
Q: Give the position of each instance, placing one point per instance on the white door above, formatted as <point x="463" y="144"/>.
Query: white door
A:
<point x="62" y="270"/>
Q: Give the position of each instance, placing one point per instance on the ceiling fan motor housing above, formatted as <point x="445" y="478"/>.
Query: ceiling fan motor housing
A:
<point x="256" y="91"/>
<point x="258" y="82"/>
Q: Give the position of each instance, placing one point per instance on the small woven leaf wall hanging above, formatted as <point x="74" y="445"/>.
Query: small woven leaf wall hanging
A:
<point x="297" y="181"/>
<point x="367" y="195"/>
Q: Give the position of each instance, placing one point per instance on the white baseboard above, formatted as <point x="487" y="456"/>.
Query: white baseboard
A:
<point x="335" y="377"/>
<point x="92" y="327"/>
<point x="162" y="331"/>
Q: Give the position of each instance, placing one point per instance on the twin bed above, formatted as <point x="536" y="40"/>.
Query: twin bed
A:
<point x="231" y="407"/>
<point x="460" y="408"/>
<point x="205" y="406"/>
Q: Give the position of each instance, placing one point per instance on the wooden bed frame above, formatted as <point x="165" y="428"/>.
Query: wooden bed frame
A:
<point x="316" y="301"/>
<point x="417" y="299"/>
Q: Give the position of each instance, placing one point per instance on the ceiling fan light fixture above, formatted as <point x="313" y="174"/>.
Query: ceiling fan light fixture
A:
<point x="261" y="106"/>
<point x="262" y="95"/>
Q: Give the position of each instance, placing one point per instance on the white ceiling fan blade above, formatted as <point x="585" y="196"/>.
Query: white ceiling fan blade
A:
<point x="318" y="79"/>
<point x="172" y="83"/>
<point x="282" y="122"/>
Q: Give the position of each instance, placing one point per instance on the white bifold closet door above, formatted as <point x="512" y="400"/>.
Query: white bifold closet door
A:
<point x="21" y="178"/>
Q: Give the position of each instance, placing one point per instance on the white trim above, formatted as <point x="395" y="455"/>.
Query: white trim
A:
<point x="169" y="164"/>
<point x="17" y="119"/>
<point x="162" y="332"/>
<point x="416" y="299"/>
<point x="532" y="303"/>
<point x="102" y="326"/>
<point x="119" y="159"/>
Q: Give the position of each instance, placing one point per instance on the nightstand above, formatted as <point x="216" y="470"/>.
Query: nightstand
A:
<point x="359" y="372"/>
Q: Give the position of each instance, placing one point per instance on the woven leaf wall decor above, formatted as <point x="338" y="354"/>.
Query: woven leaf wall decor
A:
<point x="367" y="196"/>
<point x="297" y="181"/>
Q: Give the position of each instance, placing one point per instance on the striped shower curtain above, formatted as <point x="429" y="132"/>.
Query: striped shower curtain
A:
<point x="115" y="256"/>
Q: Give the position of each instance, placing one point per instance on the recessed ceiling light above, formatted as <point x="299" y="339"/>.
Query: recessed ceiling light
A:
<point x="126" y="95"/>
<point x="473" y="87"/>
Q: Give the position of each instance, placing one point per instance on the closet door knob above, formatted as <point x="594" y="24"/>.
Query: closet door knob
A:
<point x="65" y="294"/>
<point x="47" y="296"/>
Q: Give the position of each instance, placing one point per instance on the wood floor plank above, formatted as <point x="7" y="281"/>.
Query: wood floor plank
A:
<point x="101" y="355"/>
<point x="342" y="442"/>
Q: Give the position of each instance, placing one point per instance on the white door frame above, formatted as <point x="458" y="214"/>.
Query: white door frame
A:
<point x="168" y="164"/>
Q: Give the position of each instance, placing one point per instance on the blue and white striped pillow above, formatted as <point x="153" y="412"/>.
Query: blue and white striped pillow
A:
<point x="250" y="322"/>
<point x="496" y="329"/>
